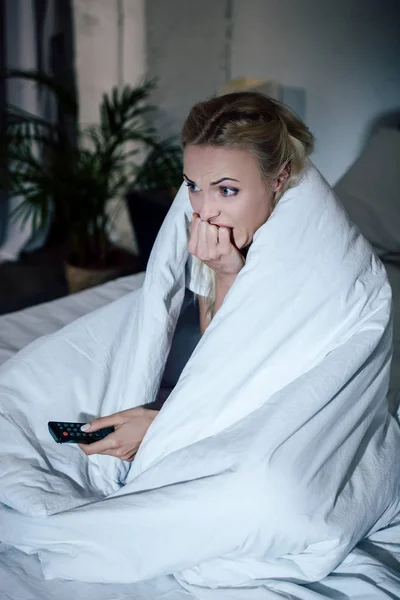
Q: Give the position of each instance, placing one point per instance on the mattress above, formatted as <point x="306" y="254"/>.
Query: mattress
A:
<point x="366" y="576"/>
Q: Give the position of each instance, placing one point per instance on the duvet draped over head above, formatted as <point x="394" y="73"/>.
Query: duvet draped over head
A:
<point x="275" y="453"/>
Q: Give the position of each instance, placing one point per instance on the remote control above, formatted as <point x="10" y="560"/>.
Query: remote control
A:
<point x="70" y="433"/>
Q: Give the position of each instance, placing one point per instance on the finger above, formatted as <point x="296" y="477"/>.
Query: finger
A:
<point x="212" y="233"/>
<point x="224" y="240"/>
<point x="195" y="218"/>
<point x="193" y="229"/>
<point x="117" y="453"/>
<point x="202" y="241"/>
<point x="120" y="453"/>
<point x="106" y="445"/>
<point x="130" y="458"/>
<point x="109" y="421"/>
<point x="192" y="243"/>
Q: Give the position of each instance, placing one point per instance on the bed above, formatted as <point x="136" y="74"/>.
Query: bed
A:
<point x="20" y="574"/>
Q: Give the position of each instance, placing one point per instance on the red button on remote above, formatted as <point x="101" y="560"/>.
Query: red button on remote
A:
<point x="65" y="433"/>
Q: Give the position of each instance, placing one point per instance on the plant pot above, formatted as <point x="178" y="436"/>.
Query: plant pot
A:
<point x="147" y="210"/>
<point x="81" y="278"/>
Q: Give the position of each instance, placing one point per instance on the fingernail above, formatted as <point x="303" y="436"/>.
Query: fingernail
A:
<point x="85" y="427"/>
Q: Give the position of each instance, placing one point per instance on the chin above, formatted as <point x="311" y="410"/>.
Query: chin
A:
<point x="246" y="245"/>
<point x="240" y="238"/>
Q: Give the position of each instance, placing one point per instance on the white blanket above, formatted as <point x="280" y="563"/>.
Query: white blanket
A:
<point x="274" y="455"/>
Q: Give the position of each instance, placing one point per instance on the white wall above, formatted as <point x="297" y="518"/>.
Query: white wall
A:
<point x="110" y="50"/>
<point x="344" y="53"/>
<point x="185" y="45"/>
<point x="105" y="31"/>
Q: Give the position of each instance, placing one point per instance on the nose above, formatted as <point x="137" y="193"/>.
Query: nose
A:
<point x="207" y="209"/>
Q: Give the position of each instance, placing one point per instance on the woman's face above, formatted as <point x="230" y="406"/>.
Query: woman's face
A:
<point x="226" y="188"/>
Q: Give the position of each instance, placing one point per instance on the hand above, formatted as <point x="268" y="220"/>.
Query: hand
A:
<point x="130" y="428"/>
<point x="212" y="245"/>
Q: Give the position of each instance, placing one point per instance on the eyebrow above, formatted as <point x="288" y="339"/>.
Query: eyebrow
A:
<point x="213" y="182"/>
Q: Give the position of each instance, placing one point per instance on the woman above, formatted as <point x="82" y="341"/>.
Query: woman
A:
<point x="242" y="151"/>
<point x="275" y="461"/>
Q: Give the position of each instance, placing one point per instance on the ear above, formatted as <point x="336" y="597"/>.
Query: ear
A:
<point x="280" y="181"/>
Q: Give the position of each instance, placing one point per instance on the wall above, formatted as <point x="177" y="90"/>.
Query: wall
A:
<point x="345" y="54"/>
<point x="186" y="52"/>
<point x="110" y="50"/>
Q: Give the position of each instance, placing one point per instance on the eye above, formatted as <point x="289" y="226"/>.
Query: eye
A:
<point x="228" y="191"/>
<point x="192" y="186"/>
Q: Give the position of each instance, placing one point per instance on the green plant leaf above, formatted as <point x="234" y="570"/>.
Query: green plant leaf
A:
<point x="77" y="175"/>
<point x="65" y="99"/>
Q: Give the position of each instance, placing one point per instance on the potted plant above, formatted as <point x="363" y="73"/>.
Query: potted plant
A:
<point x="72" y="173"/>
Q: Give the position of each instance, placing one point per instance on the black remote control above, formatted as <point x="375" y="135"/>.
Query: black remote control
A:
<point x="70" y="433"/>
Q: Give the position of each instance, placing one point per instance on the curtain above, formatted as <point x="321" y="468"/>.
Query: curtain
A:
<point x="38" y="35"/>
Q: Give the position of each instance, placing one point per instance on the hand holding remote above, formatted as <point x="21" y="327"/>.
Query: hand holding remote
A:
<point x="130" y="428"/>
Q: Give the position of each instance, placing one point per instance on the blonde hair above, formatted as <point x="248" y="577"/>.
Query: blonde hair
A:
<point x="250" y="121"/>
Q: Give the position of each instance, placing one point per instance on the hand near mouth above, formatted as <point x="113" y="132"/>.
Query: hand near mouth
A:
<point x="213" y="244"/>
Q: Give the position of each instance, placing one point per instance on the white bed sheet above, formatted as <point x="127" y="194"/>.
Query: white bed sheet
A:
<point x="20" y="328"/>
<point x="20" y="574"/>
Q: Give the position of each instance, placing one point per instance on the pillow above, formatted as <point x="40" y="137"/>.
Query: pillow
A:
<point x="370" y="191"/>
